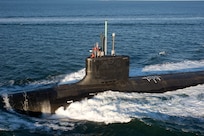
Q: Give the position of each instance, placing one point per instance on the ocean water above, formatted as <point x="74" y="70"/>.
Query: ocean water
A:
<point x="46" y="42"/>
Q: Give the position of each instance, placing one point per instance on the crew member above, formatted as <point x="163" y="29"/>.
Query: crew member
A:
<point x="95" y="51"/>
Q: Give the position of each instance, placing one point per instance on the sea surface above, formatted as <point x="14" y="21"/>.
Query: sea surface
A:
<point x="45" y="42"/>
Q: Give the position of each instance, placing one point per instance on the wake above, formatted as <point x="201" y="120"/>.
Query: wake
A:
<point x="113" y="107"/>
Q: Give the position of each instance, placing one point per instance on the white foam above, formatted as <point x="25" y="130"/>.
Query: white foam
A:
<point x="111" y="107"/>
<point x="48" y="124"/>
<point x="175" y="66"/>
<point x="73" y="77"/>
<point x="162" y="53"/>
<point x="96" y="109"/>
<point x="6" y="102"/>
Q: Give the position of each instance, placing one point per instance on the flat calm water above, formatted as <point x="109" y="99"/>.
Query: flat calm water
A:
<point x="46" y="42"/>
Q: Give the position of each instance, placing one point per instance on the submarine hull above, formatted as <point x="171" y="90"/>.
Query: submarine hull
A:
<point x="47" y="101"/>
<point x="102" y="74"/>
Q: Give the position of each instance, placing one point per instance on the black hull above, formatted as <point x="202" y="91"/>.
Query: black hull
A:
<point x="49" y="100"/>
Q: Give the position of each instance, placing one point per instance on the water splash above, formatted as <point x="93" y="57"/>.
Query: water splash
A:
<point x="73" y="77"/>
<point x="6" y="102"/>
<point x="187" y="65"/>
<point x="177" y="108"/>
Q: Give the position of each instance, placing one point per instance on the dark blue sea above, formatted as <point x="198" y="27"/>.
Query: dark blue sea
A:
<point x="45" y="42"/>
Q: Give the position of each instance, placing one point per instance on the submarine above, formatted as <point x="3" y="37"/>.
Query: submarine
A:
<point x="103" y="72"/>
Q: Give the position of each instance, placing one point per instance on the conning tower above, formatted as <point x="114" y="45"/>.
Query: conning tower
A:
<point x="102" y="68"/>
<point x="107" y="69"/>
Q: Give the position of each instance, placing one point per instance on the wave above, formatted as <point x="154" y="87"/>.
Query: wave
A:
<point x="113" y="107"/>
<point x="93" y="20"/>
<point x="73" y="77"/>
<point x="11" y="121"/>
<point x="23" y="85"/>
<point x="187" y="65"/>
<point x="12" y="86"/>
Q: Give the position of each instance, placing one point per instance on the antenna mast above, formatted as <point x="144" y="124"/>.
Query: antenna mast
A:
<point x="106" y="35"/>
